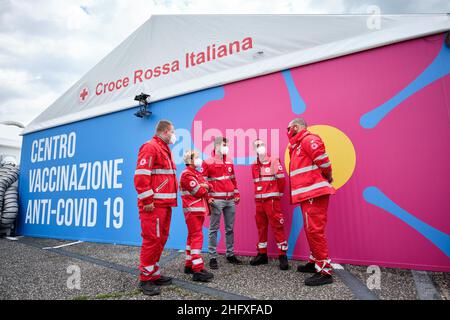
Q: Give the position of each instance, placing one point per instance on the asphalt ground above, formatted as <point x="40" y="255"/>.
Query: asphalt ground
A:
<point x="33" y="269"/>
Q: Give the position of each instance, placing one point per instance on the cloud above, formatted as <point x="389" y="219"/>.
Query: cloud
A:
<point x="47" y="45"/>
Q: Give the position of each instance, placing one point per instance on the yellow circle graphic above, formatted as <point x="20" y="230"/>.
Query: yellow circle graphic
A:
<point x="340" y="150"/>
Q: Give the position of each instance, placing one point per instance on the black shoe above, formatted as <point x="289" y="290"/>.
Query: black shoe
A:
<point x="261" y="258"/>
<point x="307" y="268"/>
<point x="213" y="264"/>
<point x="319" y="280"/>
<point x="233" y="260"/>
<point x="202" y="276"/>
<point x="163" y="281"/>
<point x="188" y="270"/>
<point x="284" y="264"/>
<point x="149" y="288"/>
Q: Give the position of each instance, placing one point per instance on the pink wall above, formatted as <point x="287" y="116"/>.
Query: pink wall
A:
<point x="406" y="155"/>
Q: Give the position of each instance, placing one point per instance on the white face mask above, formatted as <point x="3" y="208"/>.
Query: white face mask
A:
<point x="198" y="162"/>
<point x="173" y="139"/>
<point x="224" y="150"/>
<point x="261" y="151"/>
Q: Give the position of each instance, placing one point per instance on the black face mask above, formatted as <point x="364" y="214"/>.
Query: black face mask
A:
<point x="291" y="132"/>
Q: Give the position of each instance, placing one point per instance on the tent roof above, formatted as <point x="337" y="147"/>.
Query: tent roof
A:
<point x="278" y="42"/>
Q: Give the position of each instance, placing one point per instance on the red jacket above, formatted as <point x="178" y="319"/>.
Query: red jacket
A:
<point x="268" y="178"/>
<point x="310" y="167"/>
<point x="194" y="196"/>
<point x="155" y="178"/>
<point x="220" y="174"/>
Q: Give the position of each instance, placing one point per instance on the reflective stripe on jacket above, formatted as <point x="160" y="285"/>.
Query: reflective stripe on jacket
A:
<point x="310" y="167"/>
<point x="193" y="195"/>
<point x="268" y="179"/>
<point x="220" y="174"/>
<point x="155" y="177"/>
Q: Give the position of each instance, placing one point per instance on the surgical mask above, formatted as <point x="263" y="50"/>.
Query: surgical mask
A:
<point x="261" y="150"/>
<point x="224" y="150"/>
<point x="173" y="139"/>
<point x="198" y="162"/>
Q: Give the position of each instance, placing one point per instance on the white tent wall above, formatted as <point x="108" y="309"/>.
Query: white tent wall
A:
<point x="279" y="42"/>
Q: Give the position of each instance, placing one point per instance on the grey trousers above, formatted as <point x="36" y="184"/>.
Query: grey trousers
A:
<point x="228" y="207"/>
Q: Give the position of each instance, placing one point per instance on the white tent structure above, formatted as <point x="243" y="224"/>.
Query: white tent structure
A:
<point x="278" y="42"/>
<point x="10" y="140"/>
<point x="10" y="148"/>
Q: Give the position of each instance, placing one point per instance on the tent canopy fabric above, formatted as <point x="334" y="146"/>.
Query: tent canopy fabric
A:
<point x="171" y="55"/>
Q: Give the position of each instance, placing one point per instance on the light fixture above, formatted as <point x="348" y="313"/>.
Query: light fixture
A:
<point x="144" y="101"/>
<point x="259" y="54"/>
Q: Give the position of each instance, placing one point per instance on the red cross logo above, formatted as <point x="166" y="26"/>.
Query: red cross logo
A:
<point x="84" y="94"/>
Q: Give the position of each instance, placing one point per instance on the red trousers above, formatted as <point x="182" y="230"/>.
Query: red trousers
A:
<point x="155" y="228"/>
<point x="315" y="221"/>
<point x="269" y="212"/>
<point x="194" y="244"/>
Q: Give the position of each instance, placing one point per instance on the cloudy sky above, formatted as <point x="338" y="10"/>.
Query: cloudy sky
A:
<point x="47" y="45"/>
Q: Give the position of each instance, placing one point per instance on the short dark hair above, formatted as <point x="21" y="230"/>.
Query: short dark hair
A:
<point x="254" y="142"/>
<point x="163" y="125"/>
<point x="219" y="141"/>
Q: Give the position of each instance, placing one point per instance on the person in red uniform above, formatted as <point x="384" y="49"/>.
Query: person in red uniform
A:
<point x="155" y="181"/>
<point x="311" y="178"/>
<point x="219" y="171"/>
<point x="194" y="194"/>
<point x="269" y="182"/>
